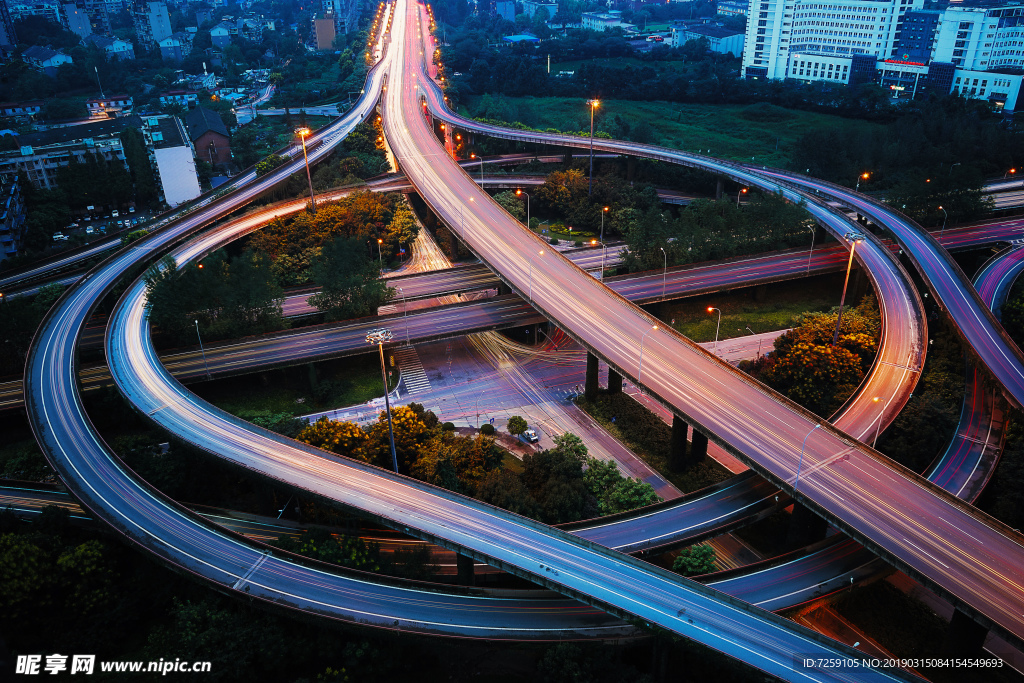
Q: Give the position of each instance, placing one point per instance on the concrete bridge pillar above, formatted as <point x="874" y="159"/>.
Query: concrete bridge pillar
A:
<point x="805" y="527"/>
<point x="719" y="189"/>
<point x="503" y="289"/>
<point x="677" y="445"/>
<point x="698" y="447"/>
<point x="467" y="570"/>
<point x="614" y="382"/>
<point x="965" y="637"/>
<point x="590" y="387"/>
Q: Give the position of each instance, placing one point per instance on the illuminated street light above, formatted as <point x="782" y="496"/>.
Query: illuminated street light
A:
<point x="378" y="337"/>
<point x="540" y="253"/>
<point x="640" y="369"/>
<point x="473" y="156"/>
<point x="664" y="272"/>
<point x="719" y="327"/>
<point x="380" y="256"/>
<point x="944" y="219"/>
<point x="862" y="176"/>
<point x="738" y="195"/>
<point x="800" y="466"/>
<point x="814" y="232"/>
<point x="303" y="132"/>
<point x="1010" y="172"/>
<point x="518" y="192"/>
<point x="879" y="427"/>
<point x="854" y="238"/>
<point x="203" y="351"/>
<point x="594" y="104"/>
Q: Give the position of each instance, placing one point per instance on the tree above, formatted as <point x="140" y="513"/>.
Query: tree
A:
<point x="516" y="425"/>
<point x="62" y="110"/>
<point x="413" y="428"/>
<point x="350" y="281"/>
<point x="554" y="478"/>
<point x="320" y="544"/>
<point x="343" y="438"/>
<point x="269" y="164"/>
<point x="139" y="165"/>
<point x="614" y="492"/>
<point x="505" y="489"/>
<point x="695" y="560"/>
<point x="457" y="463"/>
<point x="511" y="203"/>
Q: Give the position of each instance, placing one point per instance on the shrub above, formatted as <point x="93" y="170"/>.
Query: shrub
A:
<point x="487" y="429"/>
<point x="448" y="427"/>
<point x="554" y="240"/>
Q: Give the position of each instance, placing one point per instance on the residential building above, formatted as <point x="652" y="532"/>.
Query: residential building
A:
<point x="113" y="47"/>
<point x="115" y="7"/>
<point x="173" y="157"/>
<point x="732" y="8"/>
<point x="220" y="35"/>
<point x="42" y="153"/>
<point x="45" y="59"/>
<point x="323" y="29"/>
<point x="77" y="20"/>
<point x="30" y="108"/>
<point x="602" y="21"/>
<point x="720" y="39"/>
<point x="152" y="22"/>
<point x="530" y="8"/>
<point x="185" y="98"/>
<point x="97" y="11"/>
<point x="506" y="9"/>
<point x="345" y="13"/>
<point x="48" y="9"/>
<point x="209" y="136"/>
<point x="109" y="107"/>
<point x="12" y="216"/>
<point x="176" y="46"/>
<point x="8" y="37"/>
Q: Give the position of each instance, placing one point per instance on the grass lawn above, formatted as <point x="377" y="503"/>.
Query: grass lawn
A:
<point x="784" y="304"/>
<point x="675" y="67"/>
<point x="723" y="129"/>
<point x="342" y="382"/>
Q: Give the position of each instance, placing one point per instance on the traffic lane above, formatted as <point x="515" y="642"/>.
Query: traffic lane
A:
<point x="882" y="534"/>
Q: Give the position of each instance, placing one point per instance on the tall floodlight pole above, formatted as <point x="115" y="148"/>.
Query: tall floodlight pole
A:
<point x="719" y="326"/>
<point x="303" y="132"/>
<point x="593" y="105"/>
<point x="203" y="351"/>
<point x="854" y="239"/>
<point x="378" y="337"/>
<point x="800" y="466"/>
<point x="640" y="368"/>
<point x="518" y="192"/>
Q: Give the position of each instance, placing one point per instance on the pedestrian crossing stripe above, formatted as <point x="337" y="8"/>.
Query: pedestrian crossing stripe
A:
<point x="413" y="376"/>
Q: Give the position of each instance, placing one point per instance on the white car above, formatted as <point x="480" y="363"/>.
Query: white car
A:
<point x="89" y="230"/>
<point x="531" y="436"/>
<point x="114" y="213"/>
<point x="131" y="209"/>
<point x="59" y="237"/>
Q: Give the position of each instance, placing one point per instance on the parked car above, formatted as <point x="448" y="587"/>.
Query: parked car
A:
<point x="114" y="213"/>
<point x="131" y="209"/>
<point x="59" y="237"/>
<point x="89" y="230"/>
<point x="531" y="436"/>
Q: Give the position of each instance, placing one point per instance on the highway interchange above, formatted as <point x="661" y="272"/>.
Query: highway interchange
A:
<point x="434" y="181"/>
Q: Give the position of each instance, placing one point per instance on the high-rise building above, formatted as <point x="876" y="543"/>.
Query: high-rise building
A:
<point x="345" y="13"/>
<point x="152" y="22"/>
<point x="97" y="11"/>
<point x="793" y="38"/>
<point x="77" y="20"/>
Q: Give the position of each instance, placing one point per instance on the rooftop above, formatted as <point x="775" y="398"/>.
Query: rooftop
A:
<point x="201" y="120"/>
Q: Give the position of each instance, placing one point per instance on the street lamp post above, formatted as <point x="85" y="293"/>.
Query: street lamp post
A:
<point x="474" y="156"/>
<point x="303" y="132"/>
<point x="1010" y="172"/>
<point x="862" y="176"/>
<point x="952" y="166"/>
<point x="800" y="466"/>
<point x="539" y="253"/>
<point x="593" y="105"/>
<point x="719" y="327"/>
<point x="738" y="195"/>
<point x="879" y="427"/>
<point x="380" y="255"/>
<point x="664" y="271"/>
<point x="405" y="315"/>
<point x="604" y="248"/>
<point x="203" y="351"/>
<point x="640" y="369"/>
<point x="854" y="239"/>
<point x="758" y="340"/>
<point x="814" y="232"/>
<point x="378" y="337"/>
<point x="944" y="219"/>
<point x="527" y="206"/>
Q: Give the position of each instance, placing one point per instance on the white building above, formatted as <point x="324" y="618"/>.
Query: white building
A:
<point x="152" y="22"/>
<point x="835" y="29"/>
<point x="720" y="39"/>
<point x="732" y="8"/>
<point x="530" y="8"/>
<point x="174" y="158"/>
<point x="602" y="21"/>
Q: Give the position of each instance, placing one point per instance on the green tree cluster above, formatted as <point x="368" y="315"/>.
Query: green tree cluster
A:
<point x="269" y="164"/>
<point x="91" y="180"/>
<point x="347" y="551"/>
<point x="19" y="318"/>
<point x="350" y="280"/>
<point x="695" y="560"/>
<point x="807" y="368"/>
<point x="229" y="298"/>
<point x="615" y="493"/>
<point x="709" y="229"/>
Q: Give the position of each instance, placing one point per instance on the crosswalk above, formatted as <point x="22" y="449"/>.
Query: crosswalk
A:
<point x="413" y="376"/>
